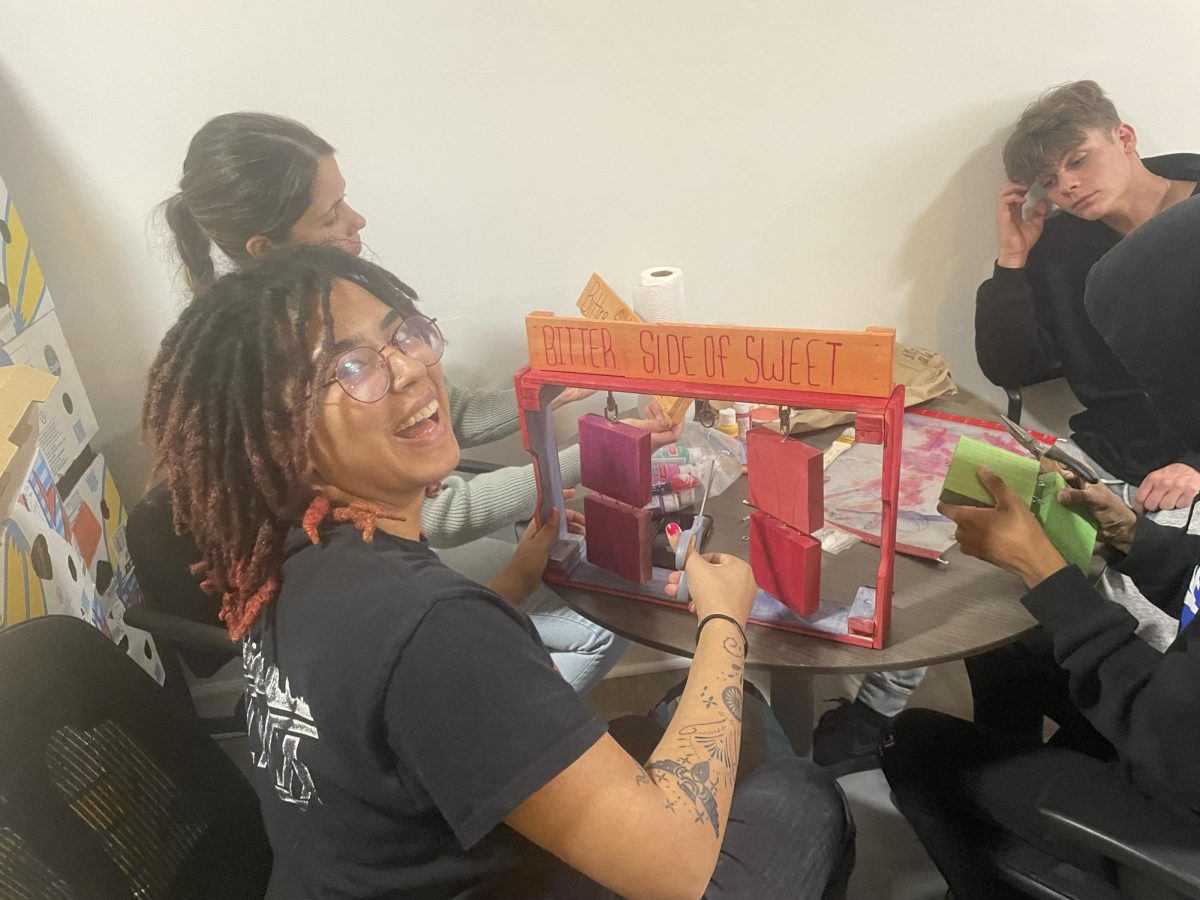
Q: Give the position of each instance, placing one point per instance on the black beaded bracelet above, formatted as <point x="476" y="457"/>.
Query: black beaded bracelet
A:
<point x="731" y="619"/>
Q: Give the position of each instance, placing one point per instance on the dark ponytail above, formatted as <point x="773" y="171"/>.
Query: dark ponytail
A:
<point x="245" y="174"/>
<point x="191" y="243"/>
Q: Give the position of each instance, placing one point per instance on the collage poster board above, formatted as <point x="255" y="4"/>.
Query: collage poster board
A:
<point x="62" y="546"/>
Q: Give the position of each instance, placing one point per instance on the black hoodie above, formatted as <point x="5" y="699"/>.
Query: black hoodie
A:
<point x="1031" y="324"/>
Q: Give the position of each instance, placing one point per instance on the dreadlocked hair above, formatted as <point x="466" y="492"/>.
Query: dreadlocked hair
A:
<point x="232" y="399"/>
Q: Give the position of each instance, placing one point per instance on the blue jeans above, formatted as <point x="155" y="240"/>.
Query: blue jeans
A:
<point x="582" y="651"/>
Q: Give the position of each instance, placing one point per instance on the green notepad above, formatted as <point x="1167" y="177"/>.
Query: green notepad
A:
<point x="962" y="485"/>
<point x="1072" y="534"/>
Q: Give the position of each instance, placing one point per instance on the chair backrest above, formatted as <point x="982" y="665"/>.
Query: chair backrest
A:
<point x="163" y="560"/>
<point x="107" y="787"/>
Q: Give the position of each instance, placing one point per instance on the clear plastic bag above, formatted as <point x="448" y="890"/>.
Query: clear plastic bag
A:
<point x="698" y="447"/>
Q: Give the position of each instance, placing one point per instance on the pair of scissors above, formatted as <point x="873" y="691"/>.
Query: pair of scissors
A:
<point x="1050" y="451"/>
<point x="689" y="540"/>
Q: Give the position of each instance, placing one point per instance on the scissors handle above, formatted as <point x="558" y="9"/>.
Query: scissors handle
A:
<point x="689" y="543"/>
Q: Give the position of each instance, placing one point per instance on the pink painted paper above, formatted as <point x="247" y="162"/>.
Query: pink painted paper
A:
<point x="852" y="482"/>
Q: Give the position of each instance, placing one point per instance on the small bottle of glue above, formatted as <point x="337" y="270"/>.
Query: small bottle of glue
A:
<point x="727" y="422"/>
<point x="742" y="417"/>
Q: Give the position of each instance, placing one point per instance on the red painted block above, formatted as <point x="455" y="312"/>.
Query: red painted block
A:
<point x="868" y="428"/>
<point x="786" y="563"/>
<point x="786" y="479"/>
<point x="618" y="537"/>
<point x="614" y="459"/>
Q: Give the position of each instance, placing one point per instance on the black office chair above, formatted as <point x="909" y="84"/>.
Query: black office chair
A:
<point x="1153" y="851"/>
<point x="1016" y="400"/>
<point x="107" y="787"/>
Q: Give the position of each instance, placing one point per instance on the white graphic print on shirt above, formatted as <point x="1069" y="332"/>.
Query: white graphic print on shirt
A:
<point x="277" y="720"/>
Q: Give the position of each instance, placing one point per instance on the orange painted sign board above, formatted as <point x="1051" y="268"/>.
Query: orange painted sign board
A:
<point x="815" y="361"/>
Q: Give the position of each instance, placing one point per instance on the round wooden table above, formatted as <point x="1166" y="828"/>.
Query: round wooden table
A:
<point x="940" y="612"/>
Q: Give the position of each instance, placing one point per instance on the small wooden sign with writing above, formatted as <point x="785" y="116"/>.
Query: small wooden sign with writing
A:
<point x="600" y="302"/>
<point x="831" y="362"/>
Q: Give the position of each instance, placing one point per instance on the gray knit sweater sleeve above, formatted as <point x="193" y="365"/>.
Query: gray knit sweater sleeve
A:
<point x="481" y="416"/>
<point x="467" y="510"/>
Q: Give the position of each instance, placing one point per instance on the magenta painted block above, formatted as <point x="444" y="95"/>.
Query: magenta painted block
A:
<point x="786" y="478"/>
<point x="614" y="459"/>
<point x="618" y="537"/>
<point x="786" y="563"/>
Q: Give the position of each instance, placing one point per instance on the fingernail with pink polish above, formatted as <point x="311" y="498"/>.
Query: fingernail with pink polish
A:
<point x="673" y="528"/>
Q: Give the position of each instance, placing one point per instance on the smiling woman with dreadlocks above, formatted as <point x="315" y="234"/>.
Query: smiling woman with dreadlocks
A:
<point x="410" y="735"/>
<point x="253" y="183"/>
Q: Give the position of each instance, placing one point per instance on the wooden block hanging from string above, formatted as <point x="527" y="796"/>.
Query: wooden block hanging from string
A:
<point x="786" y="563"/>
<point x="614" y="459"/>
<point x="786" y="479"/>
<point x="618" y="537"/>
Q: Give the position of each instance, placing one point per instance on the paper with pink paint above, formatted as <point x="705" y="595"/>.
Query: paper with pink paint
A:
<point x="853" y="481"/>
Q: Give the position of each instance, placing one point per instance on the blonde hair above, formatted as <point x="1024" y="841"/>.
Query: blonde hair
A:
<point x="1053" y="125"/>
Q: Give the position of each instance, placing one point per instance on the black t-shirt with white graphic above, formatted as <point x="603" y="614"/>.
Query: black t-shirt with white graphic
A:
<point x="398" y="713"/>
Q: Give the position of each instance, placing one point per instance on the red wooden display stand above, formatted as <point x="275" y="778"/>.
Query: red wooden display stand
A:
<point x="799" y="369"/>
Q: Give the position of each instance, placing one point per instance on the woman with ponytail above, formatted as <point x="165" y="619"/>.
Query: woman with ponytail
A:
<point x="409" y="733"/>
<point x="253" y="183"/>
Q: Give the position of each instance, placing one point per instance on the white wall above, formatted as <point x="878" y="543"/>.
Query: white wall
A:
<point x="821" y="164"/>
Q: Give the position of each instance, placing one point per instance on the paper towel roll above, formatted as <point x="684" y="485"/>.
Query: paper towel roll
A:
<point x="659" y="297"/>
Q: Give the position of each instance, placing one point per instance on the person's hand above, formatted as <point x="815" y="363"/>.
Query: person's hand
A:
<point x="1171" y="487"/>
<point x="1006" y="535"/>
<point x="663" y="432"/>
<point x="570" y="395"/>
<point x="717" y="582"/>
<point x="1017" y="234"/>
<point x="523" y="574"/>
<point x="1115" y="522"/>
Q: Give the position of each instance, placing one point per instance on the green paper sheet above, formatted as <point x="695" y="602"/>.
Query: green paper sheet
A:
<point x="962" y="485"/>
<point x="1072" y="534"/>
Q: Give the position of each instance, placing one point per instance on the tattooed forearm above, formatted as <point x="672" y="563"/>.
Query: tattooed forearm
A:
<point x="714" y="738"/>
<point x="695" y="764"/>
<point x="693" y="782"/>
<point x="732" y="695"/>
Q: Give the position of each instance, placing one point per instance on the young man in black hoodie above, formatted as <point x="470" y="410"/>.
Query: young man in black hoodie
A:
<point x="1030" y="320"/>
<point x="1031" y="324"/>
<point x="1129" y="712"/>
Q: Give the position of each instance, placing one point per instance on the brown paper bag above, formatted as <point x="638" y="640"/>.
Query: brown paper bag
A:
<point x="924" y="374"/>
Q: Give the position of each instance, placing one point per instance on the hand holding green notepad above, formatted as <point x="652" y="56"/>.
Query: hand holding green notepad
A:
<point x="1072" y="534"/>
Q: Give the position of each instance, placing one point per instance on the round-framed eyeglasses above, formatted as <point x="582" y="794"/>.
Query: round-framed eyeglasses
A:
<point x="365" y="373"/>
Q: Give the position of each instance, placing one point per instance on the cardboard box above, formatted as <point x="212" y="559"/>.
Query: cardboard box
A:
<point x="67" y="421"/>
<point x="22" y="389"/>
<point x="24" y="297"/>
<point x="97" y="518"/>
<point x="44" y="572"/>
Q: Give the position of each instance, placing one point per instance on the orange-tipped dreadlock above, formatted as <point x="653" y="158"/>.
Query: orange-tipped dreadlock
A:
<point x="232" y="399"/>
